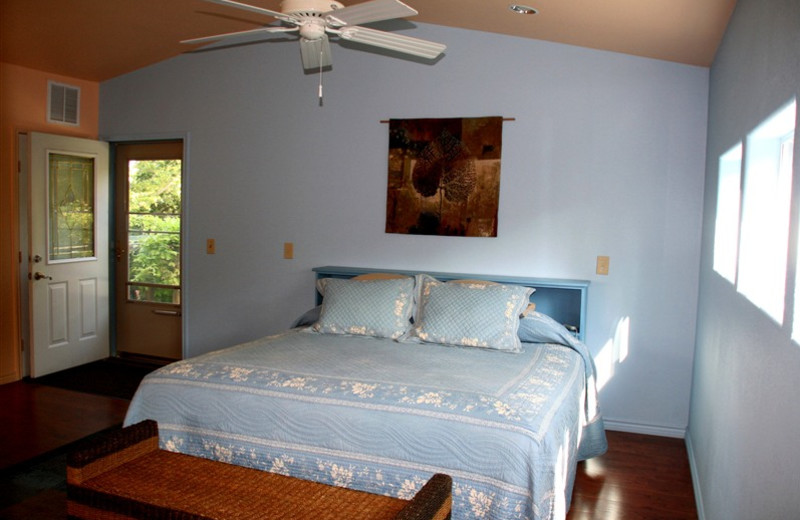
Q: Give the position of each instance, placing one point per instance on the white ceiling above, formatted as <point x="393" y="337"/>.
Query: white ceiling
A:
<point x="100" y="39"/>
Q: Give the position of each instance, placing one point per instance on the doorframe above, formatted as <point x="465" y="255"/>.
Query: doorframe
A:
<point x="22" y="139"/>
<point x="23" y="229"/>
<point x="114" y="139"/>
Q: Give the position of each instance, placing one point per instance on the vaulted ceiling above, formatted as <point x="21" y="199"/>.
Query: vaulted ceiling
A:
<point x="99" y="39"/>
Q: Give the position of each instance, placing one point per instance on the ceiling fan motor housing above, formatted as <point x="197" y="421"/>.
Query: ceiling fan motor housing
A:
<point x="309" y="7"/>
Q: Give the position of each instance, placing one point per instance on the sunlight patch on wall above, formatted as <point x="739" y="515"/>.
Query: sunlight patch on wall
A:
<point x="726" y="229"/>
<point x="754" y="215"/>
<point x="766" y="210"/>
<point x="614" y="352"/>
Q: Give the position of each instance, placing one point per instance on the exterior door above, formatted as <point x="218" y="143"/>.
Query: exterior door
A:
<point x="148" y="249"/>
<point x="68" y="268"/>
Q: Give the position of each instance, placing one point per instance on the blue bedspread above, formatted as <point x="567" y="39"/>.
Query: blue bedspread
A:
<point x="383" y="416"/>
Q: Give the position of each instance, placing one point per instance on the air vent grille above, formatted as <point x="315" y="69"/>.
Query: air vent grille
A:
<point x="63" y="103"/>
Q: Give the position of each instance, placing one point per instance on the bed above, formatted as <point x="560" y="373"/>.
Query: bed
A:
<point x="395" y="377"/>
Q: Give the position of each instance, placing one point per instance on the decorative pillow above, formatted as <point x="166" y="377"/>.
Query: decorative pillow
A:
<point x="530" y="308"/>
<point x="380" y="308"/>
<point x="536" y="327"/>
<point x="469" y="314"/>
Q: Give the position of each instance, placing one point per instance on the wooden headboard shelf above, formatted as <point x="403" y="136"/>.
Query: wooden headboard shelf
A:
<point x="562" y="299"/>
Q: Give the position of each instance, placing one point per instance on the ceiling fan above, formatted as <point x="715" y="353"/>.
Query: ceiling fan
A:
<point x="314" y="20"/>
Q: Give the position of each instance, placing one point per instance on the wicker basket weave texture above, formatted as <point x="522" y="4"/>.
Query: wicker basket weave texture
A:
<point x="126" y="476"/>
<point x="217" y="490"/>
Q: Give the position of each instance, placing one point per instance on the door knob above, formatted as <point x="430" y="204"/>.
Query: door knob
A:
<point x="41" y="276"/>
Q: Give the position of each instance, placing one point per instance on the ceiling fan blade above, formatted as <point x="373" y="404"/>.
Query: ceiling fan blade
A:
<point x="206" y="39"/>
<point x="391" y="41"/>
<point x="315" y="53"/>
<point x="366" y="12"/>
<point x="254" y="9"/>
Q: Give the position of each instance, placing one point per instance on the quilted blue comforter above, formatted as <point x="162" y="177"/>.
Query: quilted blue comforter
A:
<point x="383" y="416"/>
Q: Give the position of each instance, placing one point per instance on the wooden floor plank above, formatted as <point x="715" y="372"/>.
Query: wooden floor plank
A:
<point x="37" y="419"/>
<point x="641" y="477"/>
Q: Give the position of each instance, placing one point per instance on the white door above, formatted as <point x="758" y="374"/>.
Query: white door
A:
<point x="69" y="271"/>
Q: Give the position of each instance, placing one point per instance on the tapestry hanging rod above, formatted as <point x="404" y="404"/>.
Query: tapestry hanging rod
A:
<point x="386" y="121"/>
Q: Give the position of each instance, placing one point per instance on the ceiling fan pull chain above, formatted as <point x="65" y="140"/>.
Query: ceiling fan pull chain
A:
<point x="320" y="77"/>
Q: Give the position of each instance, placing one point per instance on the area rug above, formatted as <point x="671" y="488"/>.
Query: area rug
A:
<point x="111" y="377"/>
<point x="35" y="491"/>
<point x="38" y="488"/>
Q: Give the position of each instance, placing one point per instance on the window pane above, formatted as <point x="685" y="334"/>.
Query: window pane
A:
<point x="70" y="207"/>
<point x="155" y="186"/>
<point x="154" y="257"/>
<point x="154" y="227"/>
<point x="154" y="223"/>
<point x="726" y="234"/>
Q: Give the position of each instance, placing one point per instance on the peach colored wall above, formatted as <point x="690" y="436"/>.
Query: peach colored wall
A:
<point x="23" y="108"/>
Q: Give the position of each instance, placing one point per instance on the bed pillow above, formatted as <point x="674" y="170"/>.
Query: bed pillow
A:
<point x="380" y="308"/>
<point x="536" y="327"/>
<point x="469" y="314"/>
<point x="308" y="318"/>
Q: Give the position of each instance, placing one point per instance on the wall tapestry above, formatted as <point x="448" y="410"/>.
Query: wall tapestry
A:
<point x="444" y="176"/>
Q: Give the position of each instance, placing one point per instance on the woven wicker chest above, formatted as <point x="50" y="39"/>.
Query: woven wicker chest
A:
<point x="125" y="476"/>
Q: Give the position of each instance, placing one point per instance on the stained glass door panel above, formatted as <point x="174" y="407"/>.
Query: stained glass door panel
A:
<point x="71" y="207"/>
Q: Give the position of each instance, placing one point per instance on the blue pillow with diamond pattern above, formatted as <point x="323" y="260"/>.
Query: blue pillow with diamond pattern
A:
<point x="380" y="308"/>
<point x="469" y="314"/>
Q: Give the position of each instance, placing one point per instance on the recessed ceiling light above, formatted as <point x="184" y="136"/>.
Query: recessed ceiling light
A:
<point x="522" y="9"/>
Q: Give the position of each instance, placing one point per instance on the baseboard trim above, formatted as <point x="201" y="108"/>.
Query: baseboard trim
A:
<point x="698" y="496"/>
<point x="645" y="429"/>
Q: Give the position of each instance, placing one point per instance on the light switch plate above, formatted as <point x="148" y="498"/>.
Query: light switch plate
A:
<point x="211" y="246"/>
<point x="288" y="250"/>
<point x="602" y="265"/>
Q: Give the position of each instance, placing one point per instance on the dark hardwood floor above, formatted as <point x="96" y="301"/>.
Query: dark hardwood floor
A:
<point x="37" y="419"/>
<point x="641" y="477"/>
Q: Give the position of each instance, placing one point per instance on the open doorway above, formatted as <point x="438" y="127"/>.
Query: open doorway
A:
<point x="148" y="250"/>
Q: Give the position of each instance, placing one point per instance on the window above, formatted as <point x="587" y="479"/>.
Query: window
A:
<point x="70" y="208"/>
<point x="154" y="230"/>
<point x="766" y="209"/>
<point x="726" y="231"/>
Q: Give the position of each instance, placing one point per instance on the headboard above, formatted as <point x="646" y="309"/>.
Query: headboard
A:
<point x="561" y="299"/>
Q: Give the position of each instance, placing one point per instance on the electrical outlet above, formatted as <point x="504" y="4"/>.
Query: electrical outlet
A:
<point x="602" y="265"/>
<point x="211" y="246"/>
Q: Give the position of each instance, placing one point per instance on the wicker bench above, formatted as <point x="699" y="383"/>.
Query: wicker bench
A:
<point x="125" y="475"/>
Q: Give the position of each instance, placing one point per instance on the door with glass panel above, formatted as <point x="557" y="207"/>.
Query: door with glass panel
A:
<point x="147" y="247"/>
<point x="68" y="256"/>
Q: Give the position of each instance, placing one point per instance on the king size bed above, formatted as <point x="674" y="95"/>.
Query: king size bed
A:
<point x="398" y="376"/>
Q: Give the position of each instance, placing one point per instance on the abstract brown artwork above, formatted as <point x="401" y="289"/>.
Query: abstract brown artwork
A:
<point x="444" y="176"/>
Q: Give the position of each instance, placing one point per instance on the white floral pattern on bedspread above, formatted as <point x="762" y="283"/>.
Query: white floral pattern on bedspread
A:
<point x="382" y="417"/>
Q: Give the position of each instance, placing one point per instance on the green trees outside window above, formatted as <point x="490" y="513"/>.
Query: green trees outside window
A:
<point x="154" y="227"/>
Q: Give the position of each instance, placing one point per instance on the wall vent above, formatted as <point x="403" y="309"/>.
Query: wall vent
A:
<point x="63" y="103"/>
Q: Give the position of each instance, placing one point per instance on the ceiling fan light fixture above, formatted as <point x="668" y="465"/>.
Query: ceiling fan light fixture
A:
<point x="522" y="9"/>
<point x="315" y="19"/>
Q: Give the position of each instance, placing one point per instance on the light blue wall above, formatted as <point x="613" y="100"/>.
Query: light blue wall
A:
<point x="605" y="157"/>
<point x="745" y="419"/>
